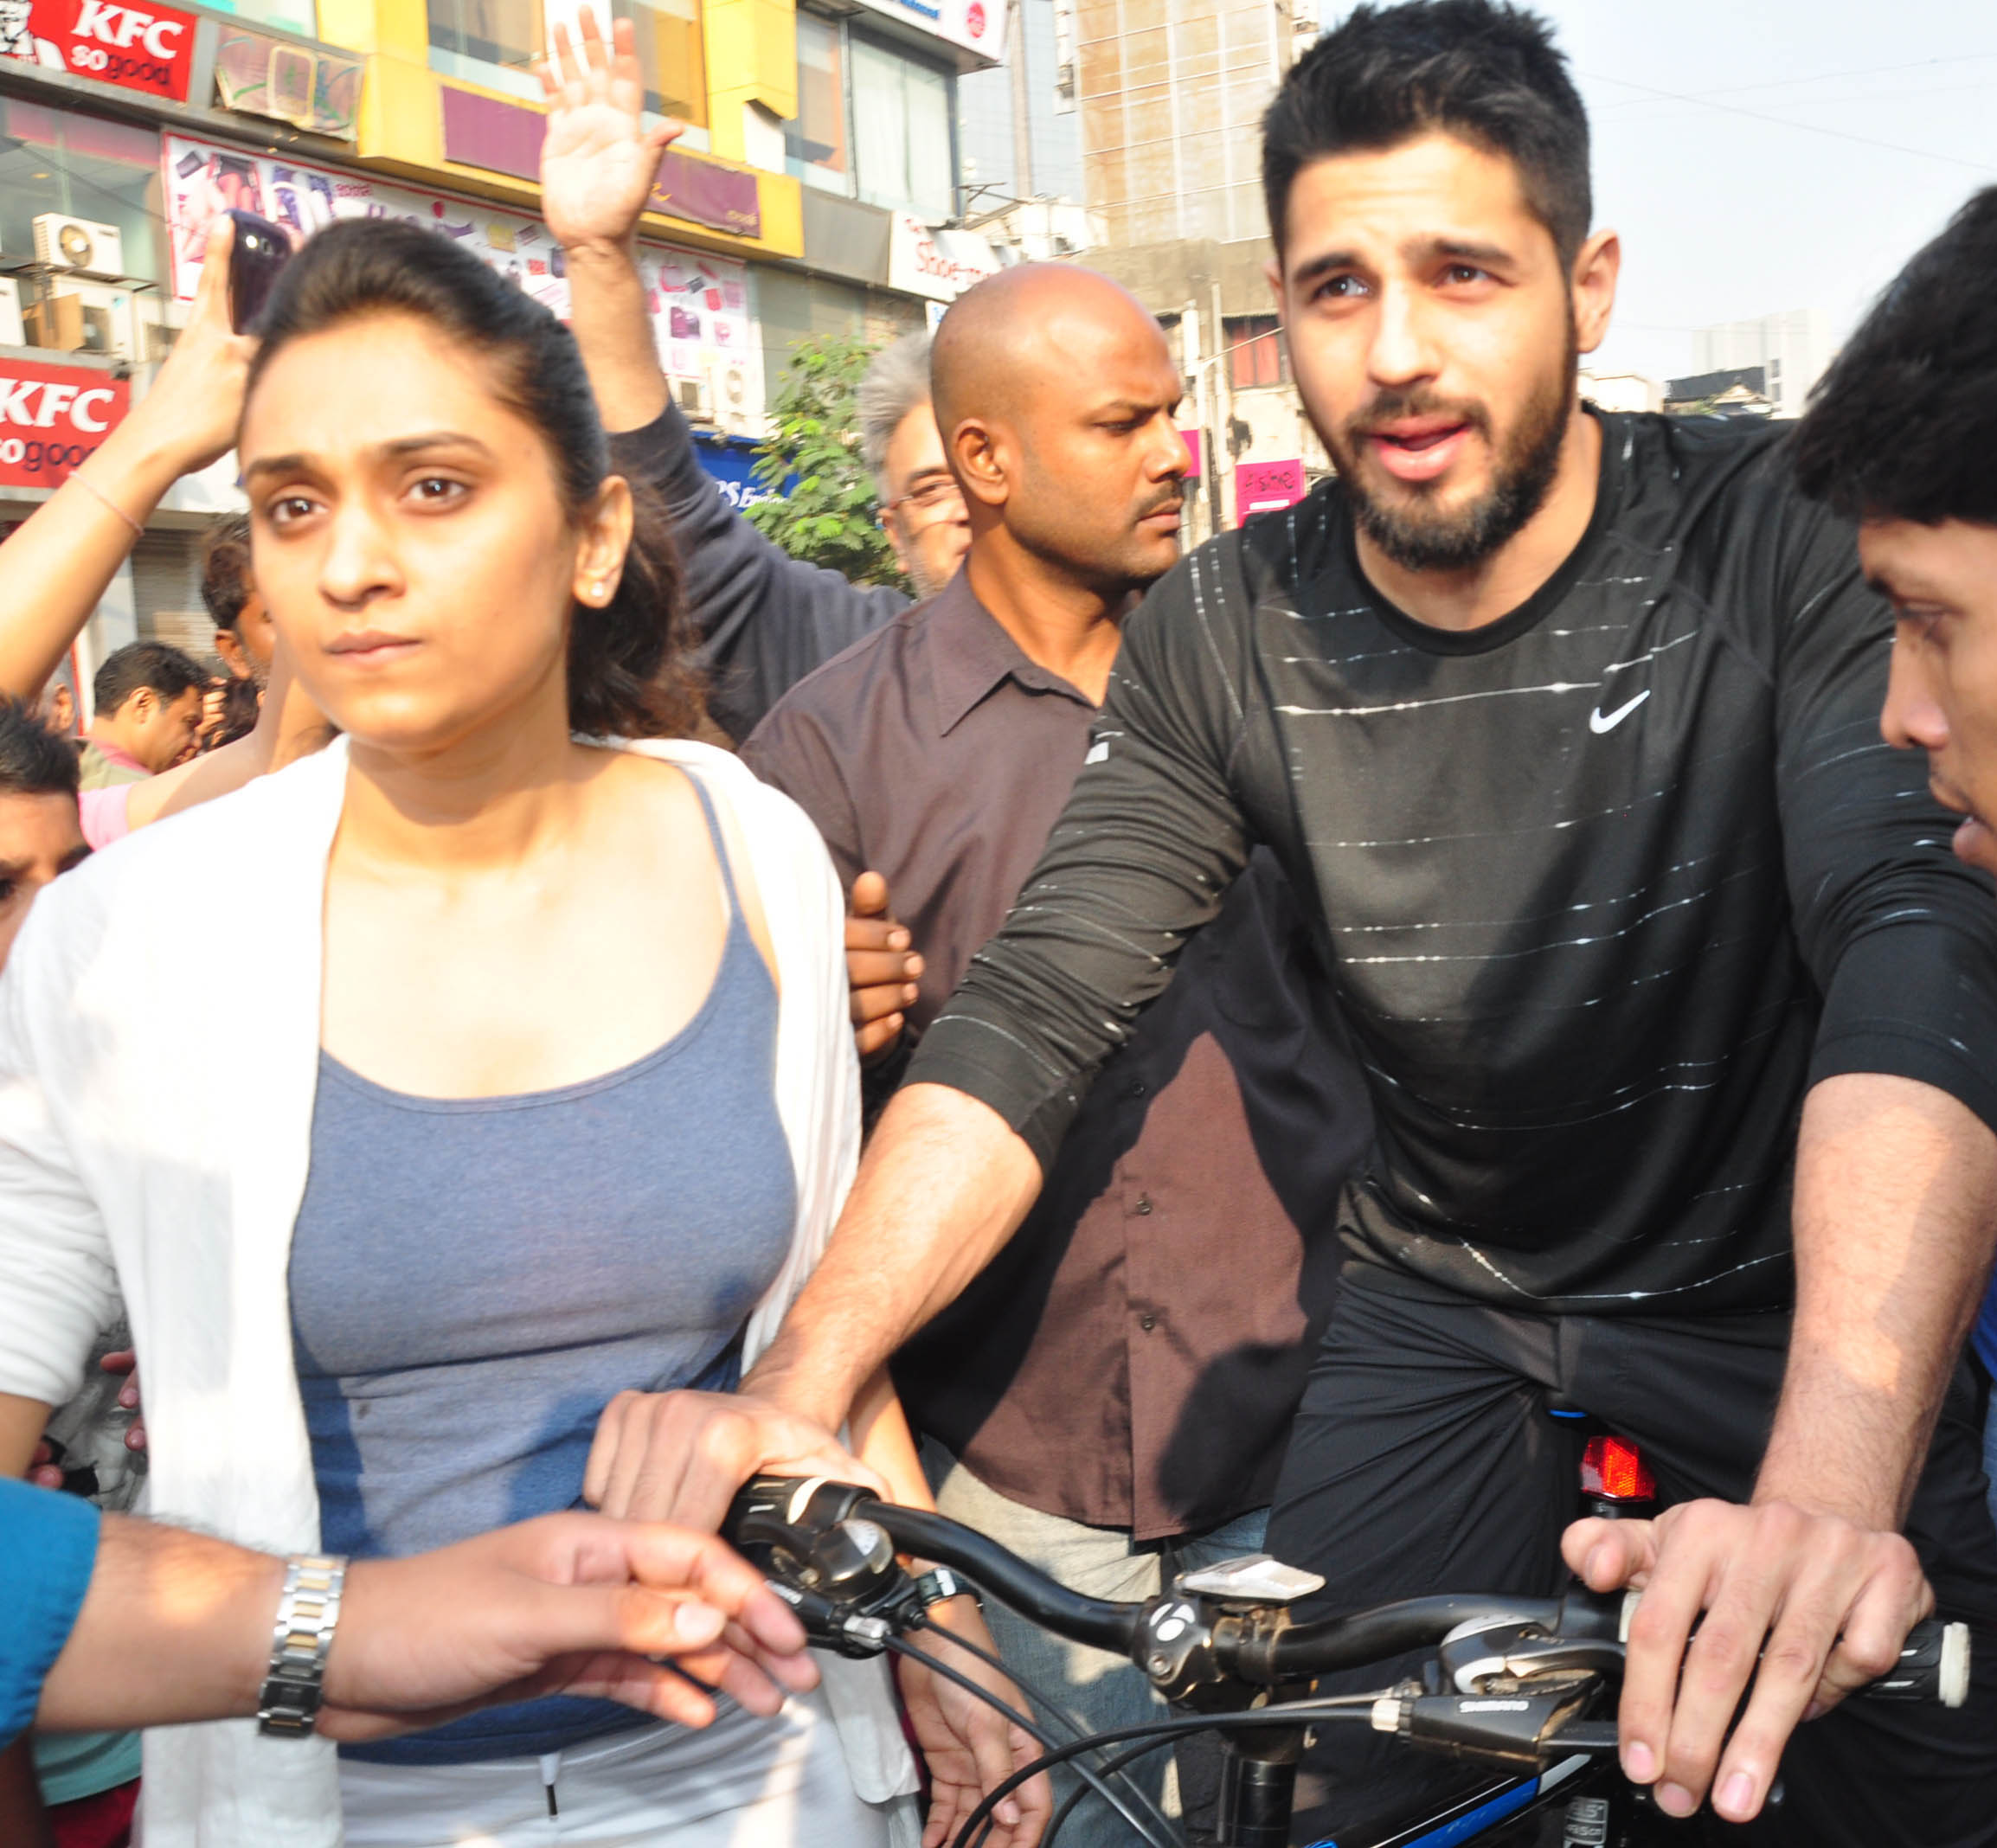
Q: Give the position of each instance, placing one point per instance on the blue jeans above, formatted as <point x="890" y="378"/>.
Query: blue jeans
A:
<point x="1101" y="1690"/>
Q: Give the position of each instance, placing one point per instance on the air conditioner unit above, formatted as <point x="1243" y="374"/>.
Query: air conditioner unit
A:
<point x="78" y="244"/>
<point x="729" y="380"/>
<point x="11" y="332"/>
<point x="695" y="399"/>
<point x="156" y="325"/>
<point x="89" y="319"/>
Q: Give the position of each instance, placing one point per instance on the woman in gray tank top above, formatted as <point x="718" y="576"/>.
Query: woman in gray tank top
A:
<point x="585" y="1099"/>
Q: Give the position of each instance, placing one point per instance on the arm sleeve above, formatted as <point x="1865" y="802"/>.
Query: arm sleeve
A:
<point x="58" y="1285"/>
<point x="764" y="618"/>
<point x="1142" y="856"/>
<point x="47" y="1548"/>
<point x="1900" y="936"/>
<point x="789" y="752"/>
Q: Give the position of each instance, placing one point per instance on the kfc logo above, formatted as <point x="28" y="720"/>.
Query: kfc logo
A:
<point x="53" y="417"/>
<point x="147" y="48"/>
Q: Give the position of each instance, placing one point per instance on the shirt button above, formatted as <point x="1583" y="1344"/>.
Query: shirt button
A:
<point x="1143" y="1205"/>
<point x="1147" y="1323"/>
<point x="1138" y="1088"/>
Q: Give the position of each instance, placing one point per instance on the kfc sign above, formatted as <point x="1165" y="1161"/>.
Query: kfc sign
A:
<point x="138" y="47"/>
<point x="52" y="417"/>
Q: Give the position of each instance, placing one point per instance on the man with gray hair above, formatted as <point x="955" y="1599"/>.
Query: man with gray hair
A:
<point x="922" y="506"/>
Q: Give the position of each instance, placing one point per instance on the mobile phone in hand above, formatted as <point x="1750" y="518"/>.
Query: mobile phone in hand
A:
<point x="257" y="252"/>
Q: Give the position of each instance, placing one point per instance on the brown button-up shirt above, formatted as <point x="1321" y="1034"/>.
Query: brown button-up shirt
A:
<point x="1134" y="1357"/>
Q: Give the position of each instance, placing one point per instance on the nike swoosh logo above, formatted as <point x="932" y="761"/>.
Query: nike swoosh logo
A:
<point x="1598" y="724"/>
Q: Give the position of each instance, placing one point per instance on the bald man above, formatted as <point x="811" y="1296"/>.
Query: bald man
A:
<point x="1110" y="1398"/>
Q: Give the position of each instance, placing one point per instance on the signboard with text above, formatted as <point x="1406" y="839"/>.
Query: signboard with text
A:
<point x="52" y="417"/>
<point x="699" y="304"/>
<point x="940" y="264"/>
<point x="1262" y="487"/>
<point x="976" y="25"/>
<point x="144" y="48"/>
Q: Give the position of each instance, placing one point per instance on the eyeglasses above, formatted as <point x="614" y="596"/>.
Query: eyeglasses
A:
<point x="934" y="495"/>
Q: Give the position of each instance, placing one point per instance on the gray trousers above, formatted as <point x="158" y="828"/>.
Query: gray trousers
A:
<point x="1101" y="1690"/>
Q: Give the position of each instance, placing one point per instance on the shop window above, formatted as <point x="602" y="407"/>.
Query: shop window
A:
<point x="300" y="16"/>
<point x="902" y="132"/>
<point x="1256" y="355"/>
<point x="52" y="160"/>
<point x="815" y="148"/>
<point x="507" y="36"/>
<point x="669" y="46"/>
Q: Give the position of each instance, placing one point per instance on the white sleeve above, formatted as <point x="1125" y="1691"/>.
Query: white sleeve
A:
<point x="58" y="1286"/>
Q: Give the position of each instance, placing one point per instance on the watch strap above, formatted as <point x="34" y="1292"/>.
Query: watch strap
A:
<point x="308" y="1610"/>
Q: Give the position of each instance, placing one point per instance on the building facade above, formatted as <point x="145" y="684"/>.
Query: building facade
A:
<point x="1171" y="94"/>
<point x="819" y="158"/>
<point x="1790" y="350"/>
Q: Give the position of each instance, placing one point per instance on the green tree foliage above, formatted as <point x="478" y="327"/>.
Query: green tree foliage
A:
<point x="827" y="513"/>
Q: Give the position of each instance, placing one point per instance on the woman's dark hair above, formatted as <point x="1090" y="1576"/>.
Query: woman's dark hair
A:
<point x="627" y="673"/>
<point x="1904" y="425"/>
<point x="1489" y="74"/>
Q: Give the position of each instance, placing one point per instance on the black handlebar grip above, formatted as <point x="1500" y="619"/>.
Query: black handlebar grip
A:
<point x="1934" y="1666"/>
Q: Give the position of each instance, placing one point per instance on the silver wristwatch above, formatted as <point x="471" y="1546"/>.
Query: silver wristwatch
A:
<point x="288" y="1705"/>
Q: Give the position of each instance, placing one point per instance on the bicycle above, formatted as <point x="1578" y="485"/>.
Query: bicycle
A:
<point x="1525" y="1684"/>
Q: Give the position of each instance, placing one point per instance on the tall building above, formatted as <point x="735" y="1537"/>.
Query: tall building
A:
<point x="819" y="153"/>
<point x="1791" y="349"/>
<point x="1171" y="95"/>
<point x="989" y="102"/>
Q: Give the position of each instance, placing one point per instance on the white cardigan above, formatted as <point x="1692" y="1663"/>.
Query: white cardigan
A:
<point x="147" y="1150"/>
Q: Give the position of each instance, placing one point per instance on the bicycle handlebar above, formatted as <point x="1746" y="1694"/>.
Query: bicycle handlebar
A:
<point x="1252" y="1642"/>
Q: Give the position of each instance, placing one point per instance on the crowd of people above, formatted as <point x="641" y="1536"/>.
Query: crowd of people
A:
<point x="1157" y="1055"/>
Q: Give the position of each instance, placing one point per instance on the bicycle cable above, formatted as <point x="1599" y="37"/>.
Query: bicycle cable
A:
<point x="1116" y="1766"/>
<point x="1077" y="1729"/>
<point x="1299" y="1713"/>
<point x="1054" y="1753"/>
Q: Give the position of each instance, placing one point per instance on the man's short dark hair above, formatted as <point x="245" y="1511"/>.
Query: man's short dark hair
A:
<point x="225" y="568"/>
<point x="1488" y="75"/>
<point x="33" y="760"/>
<point x="1904" y="425"/>
<point x="168" y="671"/>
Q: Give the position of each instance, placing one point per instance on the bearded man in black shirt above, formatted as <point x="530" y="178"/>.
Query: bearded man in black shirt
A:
<point x="1669" y="995"/>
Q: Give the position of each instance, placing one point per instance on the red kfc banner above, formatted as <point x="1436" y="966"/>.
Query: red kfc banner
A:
<point x="52" y="417"/>
<point x="136" y="47"/>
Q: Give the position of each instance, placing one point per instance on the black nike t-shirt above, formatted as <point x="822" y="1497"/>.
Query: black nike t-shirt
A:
<point x="1600" y="889"/>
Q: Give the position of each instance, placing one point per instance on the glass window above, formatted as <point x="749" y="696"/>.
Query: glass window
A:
<point x="902" y="132"/>
<point x="1256" y="355"/>
<point x="503" y="32"/>
<point x="300" y="16"/>
<point x="669" y="46"/>
<point x="815" y="142"/>
<point x="53" y="161"/>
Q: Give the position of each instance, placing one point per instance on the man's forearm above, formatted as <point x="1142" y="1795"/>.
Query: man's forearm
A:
<point x="176" y="1628"/>
<point x="944" y="1184"/>
<point x="607" y="314"/>
<point x="1896" y="1213"/>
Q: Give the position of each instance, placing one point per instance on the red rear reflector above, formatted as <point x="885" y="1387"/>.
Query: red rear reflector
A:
<point x="1615" y="1471"/>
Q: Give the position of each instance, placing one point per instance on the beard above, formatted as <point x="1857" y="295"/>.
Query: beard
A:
<point x="1417" y="533"/>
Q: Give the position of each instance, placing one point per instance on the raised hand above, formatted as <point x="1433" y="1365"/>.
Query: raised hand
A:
<point x="599" y="161"/>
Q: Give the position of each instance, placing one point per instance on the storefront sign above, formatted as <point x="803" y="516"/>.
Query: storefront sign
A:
<point x="732" y="465"/>
<point x="699" y="304"/>
<point x="138" y="47"/>
<point x="261" y="75"/>
<point x="501" y="137"/>
<point x="976" y="25"/>
<point x="939" y="264"/>
<point x="1262" y="487"/>
<point x="52" y="417"/>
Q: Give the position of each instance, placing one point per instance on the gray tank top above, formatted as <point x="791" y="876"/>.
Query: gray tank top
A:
<point x="474" y="1280"/>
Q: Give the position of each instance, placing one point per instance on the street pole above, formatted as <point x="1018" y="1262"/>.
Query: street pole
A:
<point x="1022" y="120"/>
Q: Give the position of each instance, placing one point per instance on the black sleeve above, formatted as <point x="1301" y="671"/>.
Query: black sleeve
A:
<point x="1143" y="854"/>
<point x="1900" y="935"/>
<point x="765" y="619"/>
